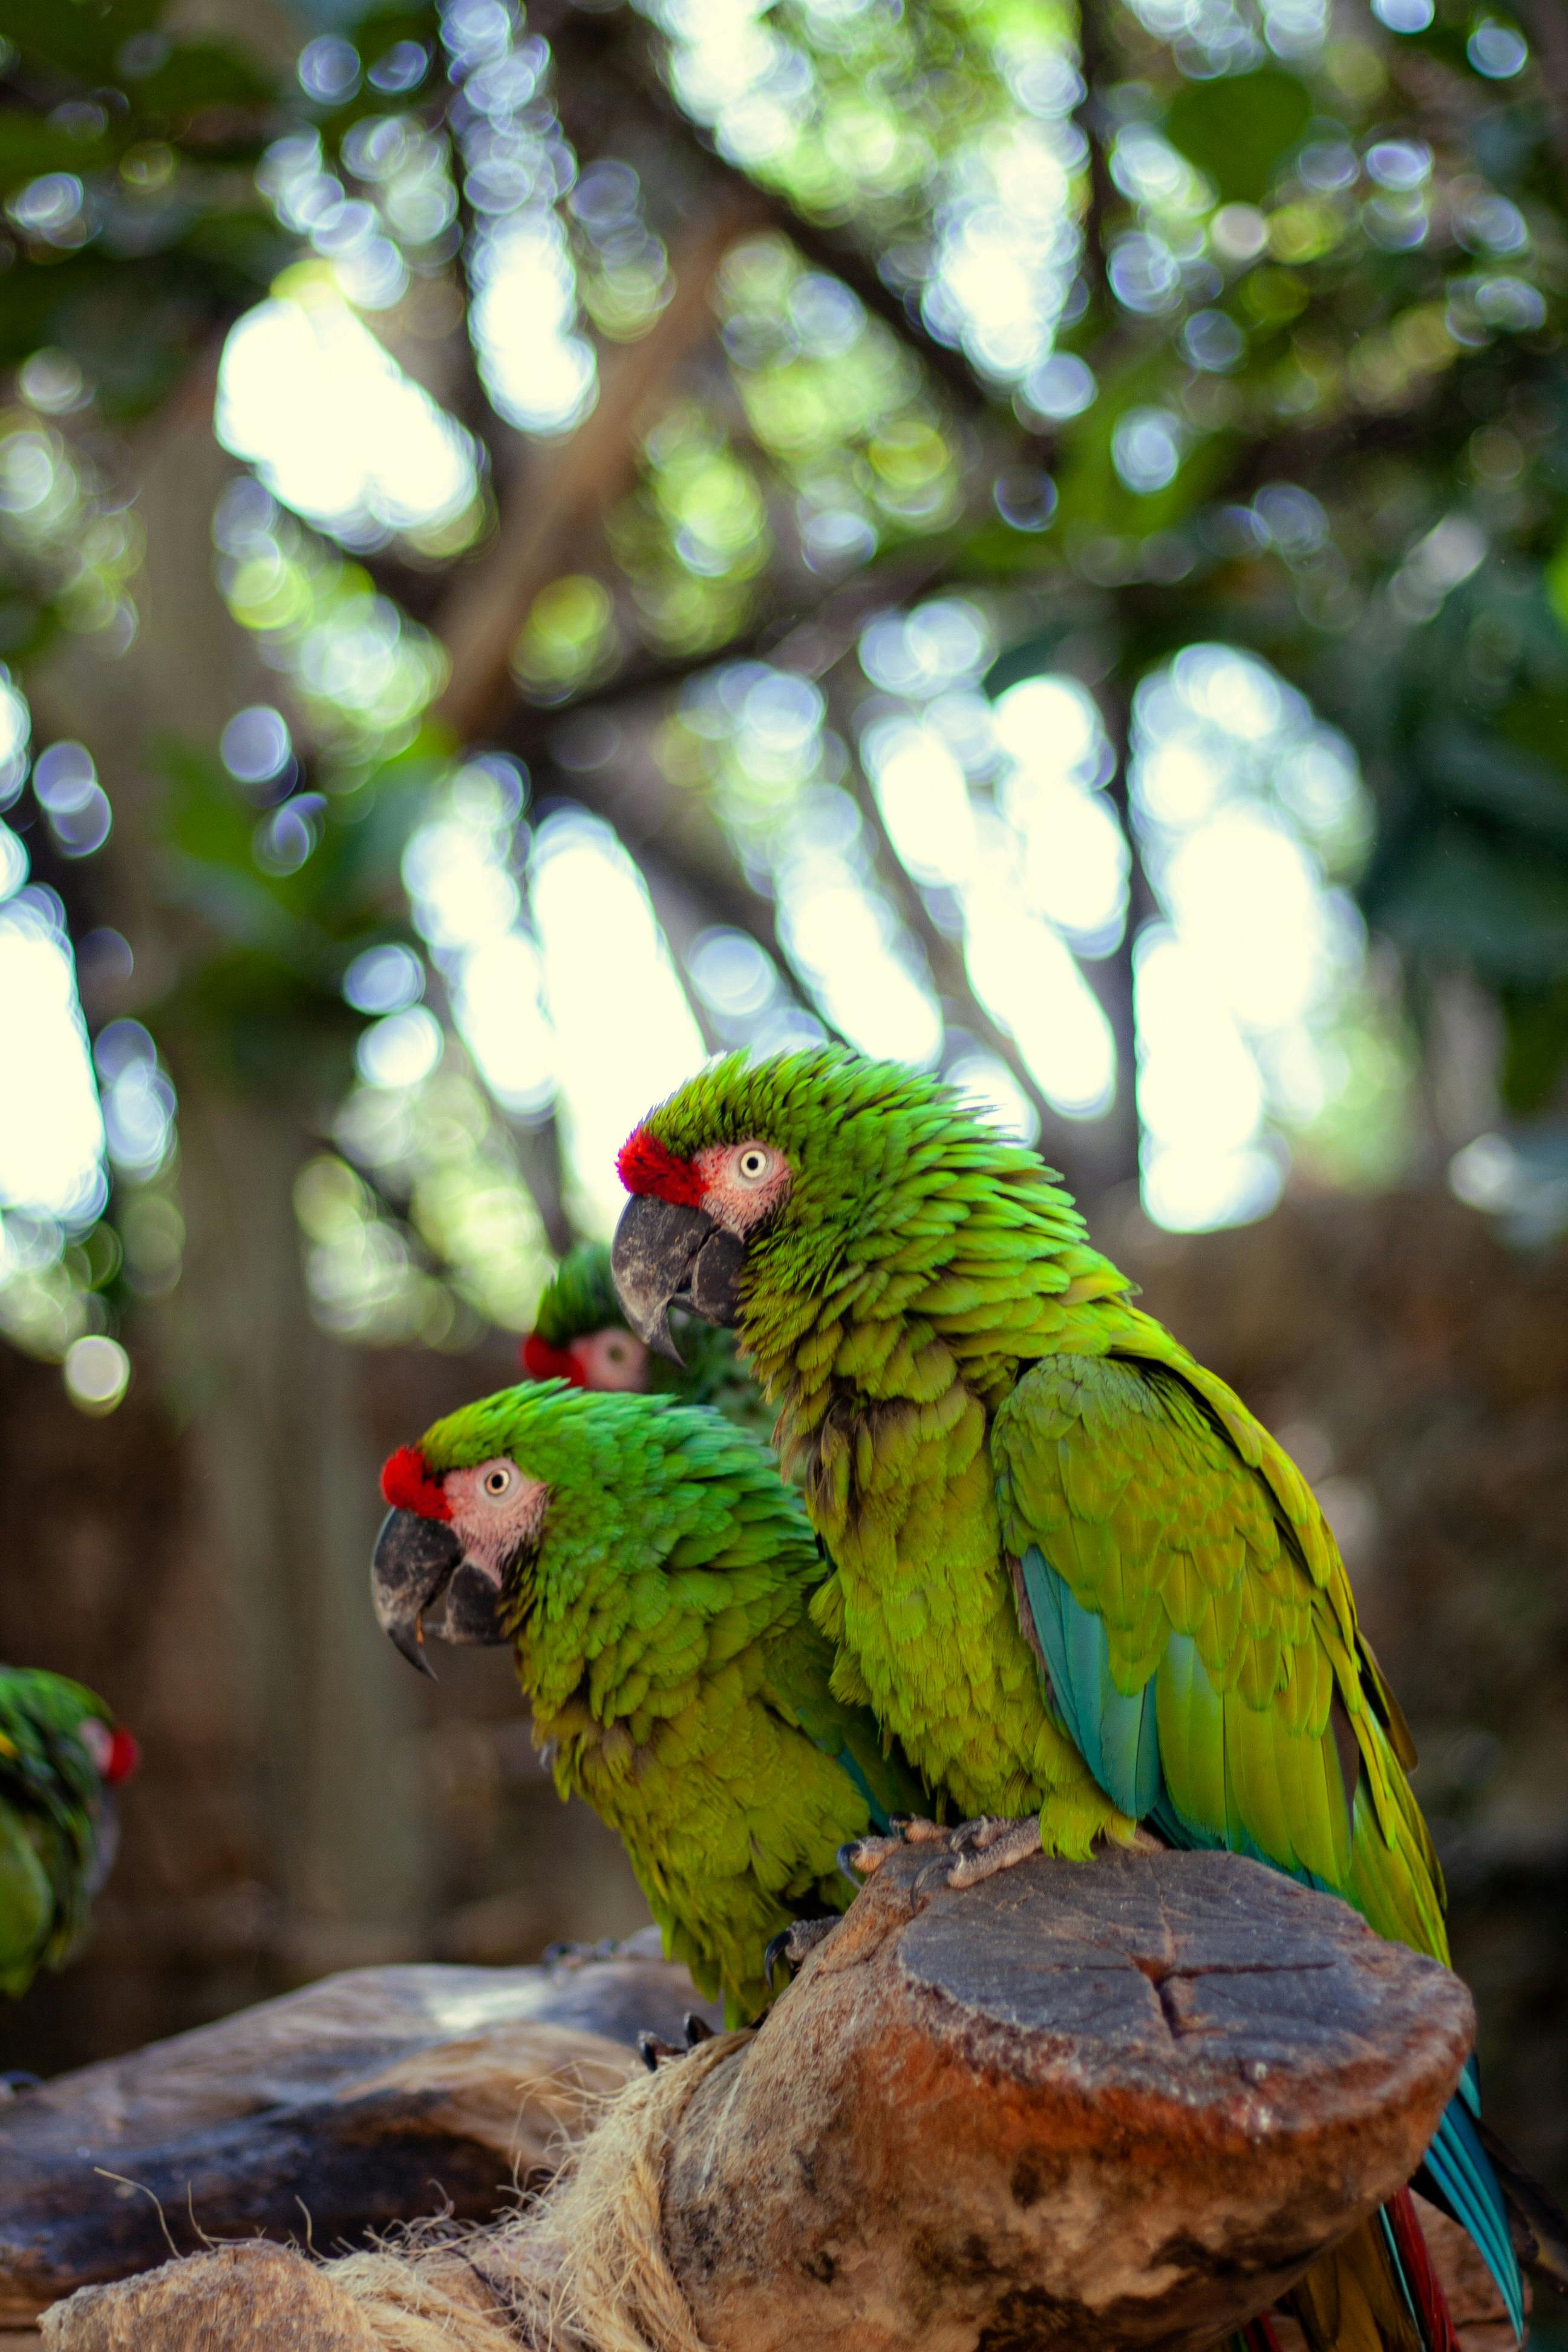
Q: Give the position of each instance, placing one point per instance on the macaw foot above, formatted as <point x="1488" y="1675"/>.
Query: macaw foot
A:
<point x="795" y="1944"/>
<point x="863" y="1857"/>
<point x="654" y="2051"/>
<point x="980" y="1848"/>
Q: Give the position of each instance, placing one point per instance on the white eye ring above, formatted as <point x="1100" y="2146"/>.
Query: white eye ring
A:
<point x="751" y="1165"/>
<point x="497" y="1484"/>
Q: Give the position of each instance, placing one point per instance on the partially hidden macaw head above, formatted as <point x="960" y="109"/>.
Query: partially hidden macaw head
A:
<point x="114" y="1751"/>
<point x="48" y="1722"/>
<point x="580" y="1332"/>
<point x="758" y="1189"/>
<point x="63" y="1752"/>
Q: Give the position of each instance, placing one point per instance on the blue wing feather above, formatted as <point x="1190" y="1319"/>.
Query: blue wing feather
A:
<point x="1114" y="1730"/>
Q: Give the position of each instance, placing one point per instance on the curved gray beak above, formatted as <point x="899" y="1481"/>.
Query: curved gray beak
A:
<point x="664" y="1253"/>
<point x="419" y="1581"/>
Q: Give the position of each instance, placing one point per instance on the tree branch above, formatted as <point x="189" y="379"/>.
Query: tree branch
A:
<point x="606" y="51"/>
<point x="485" y="611"/>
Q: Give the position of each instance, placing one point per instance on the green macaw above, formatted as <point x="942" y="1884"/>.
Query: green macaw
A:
<point x="581" y="1334"/>
<point x="654" y="1579"/>
<point x="1073" y="1574"/>
<point x="61" y="1753"/>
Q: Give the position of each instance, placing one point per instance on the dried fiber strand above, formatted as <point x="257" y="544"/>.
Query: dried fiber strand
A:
<point x="583" y="2268"/>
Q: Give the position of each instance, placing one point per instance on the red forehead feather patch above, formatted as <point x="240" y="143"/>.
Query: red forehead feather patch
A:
<point x="540" y="1361"/>
<point x="407" y="1485"/>
<point x="645" y="1165"/>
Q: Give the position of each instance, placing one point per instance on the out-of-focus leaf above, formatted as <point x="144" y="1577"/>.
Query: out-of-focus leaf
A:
<point x="260" y="991"/>
<point x="78" y="38"/>
<point x="1537" y="720"/>
<point x="1029" y="659"/>
<point x="1535" y="1026"/>
<point x="1459" y="898"/>
<point x="200" y="74"/>
<point x="1476" y="771"/>
<point x="1239" y="128"/>
<point x="28" y="147"/>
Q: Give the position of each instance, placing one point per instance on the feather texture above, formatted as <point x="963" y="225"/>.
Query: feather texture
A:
<point x="662" y="1633"/>
<point x="1071" y="1571"/>
<point x="55" y="1818"/>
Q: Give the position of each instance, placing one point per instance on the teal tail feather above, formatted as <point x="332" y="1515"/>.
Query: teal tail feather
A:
<point x="1457" y="2176"/>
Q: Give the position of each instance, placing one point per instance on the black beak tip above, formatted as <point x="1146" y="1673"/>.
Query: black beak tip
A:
<point x="661" y="1339"/>
<point x="410" y="1641"/>
<point x="415" y="1561"/>
<point x="667" y="1251"/>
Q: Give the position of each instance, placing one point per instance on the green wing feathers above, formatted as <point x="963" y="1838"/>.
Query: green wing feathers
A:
<point x="1222" y="1648"/>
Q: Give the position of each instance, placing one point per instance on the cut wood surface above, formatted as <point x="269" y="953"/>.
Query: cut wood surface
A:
<point x="367" y="2099"/>
<point x="1115" y="2105"/>
<point x="1123" y="2104"/>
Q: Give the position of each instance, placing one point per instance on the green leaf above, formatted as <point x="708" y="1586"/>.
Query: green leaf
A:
<point x="1238" y="129"/>
<point x="1535" y="1029"/>
<point x="1473" y="770"/>
<point x="1536" y="719"/>
<point x="80" y="36"/>
<point x="1459" y="899"/>
<point x="30" y="147"/>
<point x="196" y="75"/>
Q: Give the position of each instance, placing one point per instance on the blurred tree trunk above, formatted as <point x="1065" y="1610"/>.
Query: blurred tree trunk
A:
<point x="285" y="1468"/>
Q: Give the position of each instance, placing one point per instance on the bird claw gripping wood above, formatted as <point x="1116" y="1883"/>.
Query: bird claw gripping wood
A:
<point x="980" y="1848"/>
<point x="863" y="1857"/>
<point x="656" y="2051"/>
<point x="796" y="1944"/>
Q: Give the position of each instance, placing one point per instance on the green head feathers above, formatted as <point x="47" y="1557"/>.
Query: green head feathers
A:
<point x="580" y="1299"/>
<point x="896" y="1191"/>
<point x="636" y="1487"/>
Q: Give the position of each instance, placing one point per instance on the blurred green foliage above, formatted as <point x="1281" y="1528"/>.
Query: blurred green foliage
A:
<point x="1233" y="322"/>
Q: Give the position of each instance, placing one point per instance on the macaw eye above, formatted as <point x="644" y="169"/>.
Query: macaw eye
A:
<point x="498" y="1482"/>
<point x="752" y="1162"/>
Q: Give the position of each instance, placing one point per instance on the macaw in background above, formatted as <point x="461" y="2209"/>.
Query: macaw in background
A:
<point x="654" y="1579"/>
<point x="1073" y="1575"/>
<point x="61" y="1754"/>
<point x="581" y="1335"/>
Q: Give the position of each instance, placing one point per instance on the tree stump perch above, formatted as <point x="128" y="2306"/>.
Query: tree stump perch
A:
<point x="1118" y="2103"/>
